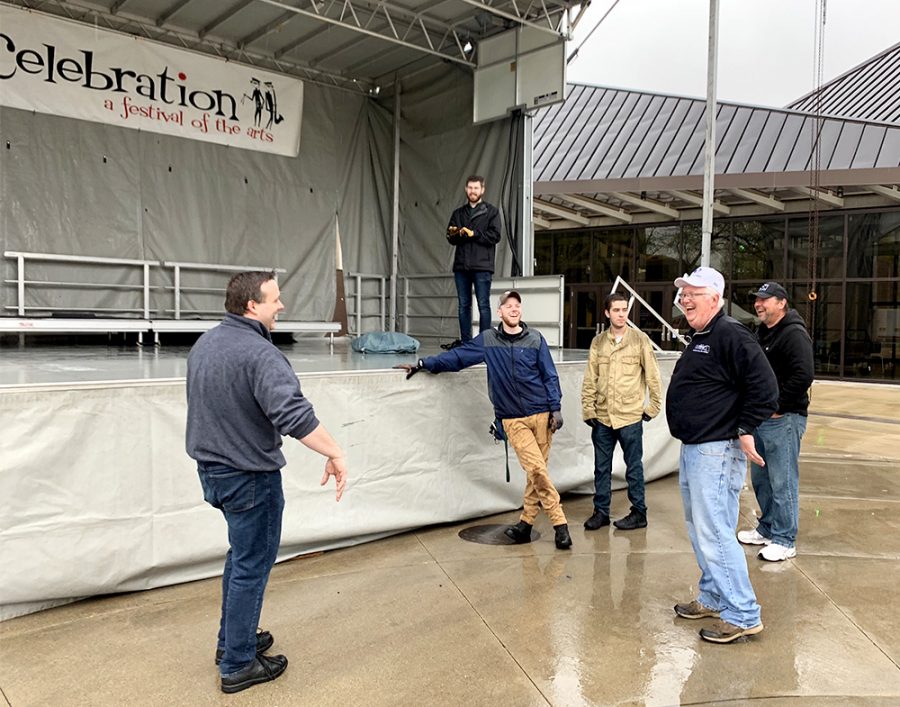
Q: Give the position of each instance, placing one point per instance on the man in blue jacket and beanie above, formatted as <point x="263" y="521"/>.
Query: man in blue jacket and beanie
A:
<point x="524" y="389"/>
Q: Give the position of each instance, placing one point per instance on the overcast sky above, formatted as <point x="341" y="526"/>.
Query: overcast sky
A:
<point x="765" y="46"/>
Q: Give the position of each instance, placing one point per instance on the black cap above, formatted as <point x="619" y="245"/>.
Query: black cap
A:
<point x="770" y="289"/>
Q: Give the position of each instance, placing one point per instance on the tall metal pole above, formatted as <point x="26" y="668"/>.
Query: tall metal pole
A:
<point x="709" y="161"/>
<point x="395" y="209"/>
<point x="526" y="196"/>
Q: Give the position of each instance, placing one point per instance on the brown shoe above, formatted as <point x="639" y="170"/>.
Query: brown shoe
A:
<point x="724" y="632"/>
<point x="695" y="610"/>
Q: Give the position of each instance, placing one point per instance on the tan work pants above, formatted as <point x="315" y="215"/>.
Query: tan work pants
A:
<point x="530" y="437"/>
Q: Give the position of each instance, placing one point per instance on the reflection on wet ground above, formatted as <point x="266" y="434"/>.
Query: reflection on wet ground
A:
<point x="426" y="618"/>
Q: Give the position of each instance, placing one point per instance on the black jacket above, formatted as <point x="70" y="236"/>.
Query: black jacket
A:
<point x="476" y="252"/>
<point x="789" y="349"/>
<point x="721" y="382"/>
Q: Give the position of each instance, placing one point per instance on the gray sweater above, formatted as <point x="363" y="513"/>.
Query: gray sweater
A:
<point x="242" y="397"/>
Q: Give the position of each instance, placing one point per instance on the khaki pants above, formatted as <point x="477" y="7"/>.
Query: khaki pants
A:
<point x="530" y="438"/>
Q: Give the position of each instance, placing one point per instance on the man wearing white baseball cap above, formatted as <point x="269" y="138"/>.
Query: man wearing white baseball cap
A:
<point x="722" y="388"/>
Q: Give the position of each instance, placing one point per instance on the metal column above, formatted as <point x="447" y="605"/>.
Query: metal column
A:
<point x="709" y="161"/>
<point x="395" y="209"/>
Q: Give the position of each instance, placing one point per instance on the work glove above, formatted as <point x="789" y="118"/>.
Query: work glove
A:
<point x="410" y="368"/>
<point x="467" y="231"/>
<point x="646" y="418"/>
<point x="592" y="423"/>
<point x="556" y="421"/>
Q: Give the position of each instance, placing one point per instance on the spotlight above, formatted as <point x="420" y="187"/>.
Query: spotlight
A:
<point x="468" y="47"/>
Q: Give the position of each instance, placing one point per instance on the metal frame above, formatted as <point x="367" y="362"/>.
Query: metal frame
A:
<point x="357" y="279"/>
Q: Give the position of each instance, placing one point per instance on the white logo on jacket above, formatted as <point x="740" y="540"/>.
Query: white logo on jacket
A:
<point x="701" y="348"/>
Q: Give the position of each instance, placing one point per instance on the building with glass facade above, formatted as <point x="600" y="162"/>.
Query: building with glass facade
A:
<point x="618" y="184"/>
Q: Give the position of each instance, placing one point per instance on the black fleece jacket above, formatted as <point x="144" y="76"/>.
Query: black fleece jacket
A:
<point x="475" y="252"/>
<point x="721" y="382"/>
<point x="789" y="350"/>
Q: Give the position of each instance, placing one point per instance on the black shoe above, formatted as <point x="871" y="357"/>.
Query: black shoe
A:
<point x="596" y="521"/>
<point x="264" y="641"/>
<point x="520" y="532"/>
<point x="632" y="521"/>
<point x="452" y="345"/>
<point x="263" y="669"/>
<point x="563" y="539"/>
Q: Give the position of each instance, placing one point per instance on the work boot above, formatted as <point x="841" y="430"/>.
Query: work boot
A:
<point x="632" y="521"/>
<point x="519" y="533"/>
<point x="724" y="632"/>
<point x="695" y="610"/>
<point x="598" y="520"/>
<point x="563" y="539"/>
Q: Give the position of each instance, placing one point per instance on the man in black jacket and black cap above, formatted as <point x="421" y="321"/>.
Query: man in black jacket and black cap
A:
<point x="783" y="337"/>
<point x="474" y="229"/>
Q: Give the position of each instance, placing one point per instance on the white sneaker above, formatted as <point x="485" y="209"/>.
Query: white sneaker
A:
<point x="773" y="552"/>
<point x="752" y="537"/>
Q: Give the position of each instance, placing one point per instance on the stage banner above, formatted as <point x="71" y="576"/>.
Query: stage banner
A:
<point x="59" y="67"/>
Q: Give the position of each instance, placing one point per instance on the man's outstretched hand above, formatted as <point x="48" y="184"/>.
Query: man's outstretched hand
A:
<point x="336" y="467"/>
<point x="411" y="369"/>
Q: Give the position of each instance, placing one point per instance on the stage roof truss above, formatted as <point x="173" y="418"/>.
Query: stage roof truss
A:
<point x="354" y="45"/>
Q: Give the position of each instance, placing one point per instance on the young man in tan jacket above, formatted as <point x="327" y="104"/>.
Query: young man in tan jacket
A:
<point x="621" y="369"/>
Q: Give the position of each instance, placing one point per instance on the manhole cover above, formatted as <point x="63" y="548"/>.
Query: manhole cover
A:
<point x="491" y="535"/>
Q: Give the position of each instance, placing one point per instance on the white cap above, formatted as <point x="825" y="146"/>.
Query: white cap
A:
<point x="703" y="277"/>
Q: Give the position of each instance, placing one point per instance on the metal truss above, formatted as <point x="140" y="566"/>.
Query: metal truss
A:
<point x="391" y="23"/>
<point x="554" y="18"/>
<point x="98" y="15"/>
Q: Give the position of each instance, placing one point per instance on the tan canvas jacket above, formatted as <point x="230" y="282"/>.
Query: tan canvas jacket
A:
<point x="617" y="377"/>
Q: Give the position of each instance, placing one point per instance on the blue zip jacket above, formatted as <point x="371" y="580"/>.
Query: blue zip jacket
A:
<point x="242" y="397"/>
<point x="522" y="379"/>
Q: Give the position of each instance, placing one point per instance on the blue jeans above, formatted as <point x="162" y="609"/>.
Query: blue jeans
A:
<point x="252" y="502"/>
<point x="710" y="476"/>
<point x="631" y="438"/>
<point x="465" y="279"/>
<point x="777" y="484"/>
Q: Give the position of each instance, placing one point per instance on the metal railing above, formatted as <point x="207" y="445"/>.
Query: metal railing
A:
<point x="178" y="267"/>
<point x="21" y="258"/>
<point x="674" y="333"/>
<point x="359" y="297"/>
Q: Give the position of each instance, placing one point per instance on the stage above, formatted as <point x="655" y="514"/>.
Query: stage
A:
<point x="98" y="495"/>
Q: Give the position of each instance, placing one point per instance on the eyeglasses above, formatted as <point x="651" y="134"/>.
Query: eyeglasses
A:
<point x="691" y="295"/>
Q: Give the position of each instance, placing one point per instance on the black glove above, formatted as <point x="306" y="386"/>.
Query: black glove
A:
<point x="592" y="423"/>
<point x="646" y="418"/>
<point x="410" y="369"/>
<point x="556" y="421"/>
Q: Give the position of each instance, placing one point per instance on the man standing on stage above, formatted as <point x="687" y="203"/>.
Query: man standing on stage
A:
<point x="722" y="388"/>
<point x="524" y="388"/>
<point x="786" y="343"/>
<point x="243" y="396"/>
<point x="474" y="229"/>
<point x="621" y="369"/>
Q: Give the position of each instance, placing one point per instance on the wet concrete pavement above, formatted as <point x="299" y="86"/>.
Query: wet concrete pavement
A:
<point x="428" y="619"/>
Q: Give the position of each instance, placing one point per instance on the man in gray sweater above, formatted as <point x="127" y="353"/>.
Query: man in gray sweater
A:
<point x="243" y="396"/>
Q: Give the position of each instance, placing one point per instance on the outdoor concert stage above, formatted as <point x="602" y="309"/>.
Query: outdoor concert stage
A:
<point x="98" y="495"/>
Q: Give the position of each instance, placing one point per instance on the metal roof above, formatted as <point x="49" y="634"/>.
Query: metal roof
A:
<point x="869" y="91"/>
<point x="609" y="155"/>
<point x="358" y="45"/>
<point x="603" y="134"/>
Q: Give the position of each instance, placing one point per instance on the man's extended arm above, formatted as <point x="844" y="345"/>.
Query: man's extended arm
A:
<point x="321" y="441"/>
